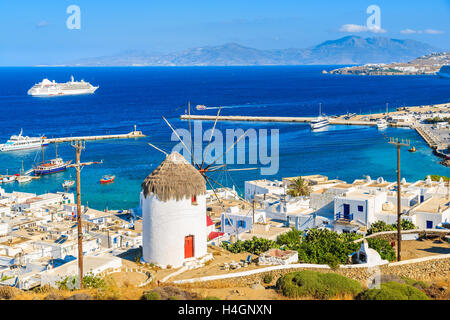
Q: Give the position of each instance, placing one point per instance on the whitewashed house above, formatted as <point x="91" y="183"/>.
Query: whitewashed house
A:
<point x="236" y="220"/>
<point x="357" y="207"/>
<point x="431" y="213"/>
<point x="263" y="186"/>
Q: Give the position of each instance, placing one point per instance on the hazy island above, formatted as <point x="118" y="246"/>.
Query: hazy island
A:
<point x="425" y="65"/>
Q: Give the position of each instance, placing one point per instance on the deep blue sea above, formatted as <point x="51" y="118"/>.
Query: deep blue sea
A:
<point x="141" y="96"/>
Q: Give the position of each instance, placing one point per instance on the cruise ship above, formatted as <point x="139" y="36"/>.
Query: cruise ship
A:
<point x="20" y="142"/>
<point x="47" y="88"/>
<point x="320" y="121"/>
<point x="444" y="72"/>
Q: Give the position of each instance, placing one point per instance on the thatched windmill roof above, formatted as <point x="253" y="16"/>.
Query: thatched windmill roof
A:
<point x="174" y="179"/>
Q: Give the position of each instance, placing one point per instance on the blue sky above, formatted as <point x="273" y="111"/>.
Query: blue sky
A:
<point x="35" y="32"/>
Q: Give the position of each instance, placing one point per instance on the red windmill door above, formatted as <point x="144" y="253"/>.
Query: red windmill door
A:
<point x="188" y="247"/>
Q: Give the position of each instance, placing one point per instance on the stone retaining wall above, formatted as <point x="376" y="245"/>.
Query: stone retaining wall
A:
<point x="429" y="269"/>
<point x="392" y="235"/>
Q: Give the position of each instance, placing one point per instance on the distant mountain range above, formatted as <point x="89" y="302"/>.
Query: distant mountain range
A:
<point x="346" y="50"/>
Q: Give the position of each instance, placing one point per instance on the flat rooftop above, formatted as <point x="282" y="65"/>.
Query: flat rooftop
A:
<point x="433" y="205"/>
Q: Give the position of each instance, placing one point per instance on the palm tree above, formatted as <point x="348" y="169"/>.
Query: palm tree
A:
<point x="298" y="188"/>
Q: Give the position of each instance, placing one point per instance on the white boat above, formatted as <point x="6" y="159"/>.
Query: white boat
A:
<point x="21" y="142"/>
<point x="68" y="184"/>
<point x="8" y="179"/>
<point x="320" y="121"/>
<point x="381" y="123"/>
<point x="23" y="179"/>
<point x="47" y="88"/>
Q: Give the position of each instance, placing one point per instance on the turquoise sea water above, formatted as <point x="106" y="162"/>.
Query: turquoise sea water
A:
<point x="141" y="96"/>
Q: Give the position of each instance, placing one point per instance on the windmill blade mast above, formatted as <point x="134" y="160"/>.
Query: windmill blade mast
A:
<point x="243" y="135"/>
<point x="242" y="199"/>
<point x="221" y="203"/>
<point x="151" y="145"/>
<point x="174" y="131"/>
<point x="243" y="169"/>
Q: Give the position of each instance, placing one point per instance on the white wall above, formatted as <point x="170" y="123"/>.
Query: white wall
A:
<point x="165" y="226"/>
<point x="436" y="218"/>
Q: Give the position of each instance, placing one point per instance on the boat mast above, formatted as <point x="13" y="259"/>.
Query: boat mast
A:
<point x="320" y="109"/>
<point x="43" y="154"/>
<point x="56" y="150"/>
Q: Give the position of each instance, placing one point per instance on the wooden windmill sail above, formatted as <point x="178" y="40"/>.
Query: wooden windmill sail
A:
<point x="205" y="169"/>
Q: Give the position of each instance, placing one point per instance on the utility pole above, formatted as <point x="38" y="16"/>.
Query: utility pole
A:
<point x="80" y="146"/>
<point x="399" y="144"/>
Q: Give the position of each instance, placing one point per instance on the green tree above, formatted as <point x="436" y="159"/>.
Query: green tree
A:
<point x="299" y="187"/>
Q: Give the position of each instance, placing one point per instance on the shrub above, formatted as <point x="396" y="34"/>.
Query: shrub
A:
<point x="406" y="225"/>
<point x="255" y="246"/>
<point x="69" y="283"/>
<point x="383" y="247"/>
<point x="290" y="239"/>
<point x="91" y="281"/>
<point x="317" y="285"/>
<point x="211" y="298"/>
<point x="380" y="226"/>
<point x="327" y="247"/>
<point x="415" y="283"/>
<point x="268" y="278"/>
<point x="152" y="295"/>
<point x="435" y="177"/>
<point x="394" y="291"/>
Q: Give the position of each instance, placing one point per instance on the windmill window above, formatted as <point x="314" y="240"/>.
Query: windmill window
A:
<point x="242" y="224"/>
<point x="360" y="208"/>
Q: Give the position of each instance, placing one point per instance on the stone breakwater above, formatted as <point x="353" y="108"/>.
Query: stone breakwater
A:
<point x="424" y="269"/>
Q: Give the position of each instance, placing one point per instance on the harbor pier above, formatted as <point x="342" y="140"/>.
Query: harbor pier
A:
<point x="131" y="135"/>
<point x="276" y="119"/>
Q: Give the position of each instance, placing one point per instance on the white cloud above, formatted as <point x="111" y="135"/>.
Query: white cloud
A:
<point x="353" y="28"/>
<point x="42" y="24"/>
<point x="431" y="31"/>
<point x="408" y="31"/>
<point x="427" y="31"/>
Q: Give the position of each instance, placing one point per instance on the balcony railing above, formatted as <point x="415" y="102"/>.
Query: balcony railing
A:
<point x="340" y="216"/>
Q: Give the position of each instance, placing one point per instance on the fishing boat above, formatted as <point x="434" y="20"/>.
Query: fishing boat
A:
<point x="53" y="166"/>
<point x="200" y="107"/>
<point x="68" y="184"/>
<point x="381" y="123"/>
<point x="107" y="179"/>
<point x="413" y="149"/>
<point x="320" y="121"/>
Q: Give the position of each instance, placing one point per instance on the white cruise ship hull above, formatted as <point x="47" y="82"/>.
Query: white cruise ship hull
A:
<point x="5" y="148"/>
<point x="52" y="93"/>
